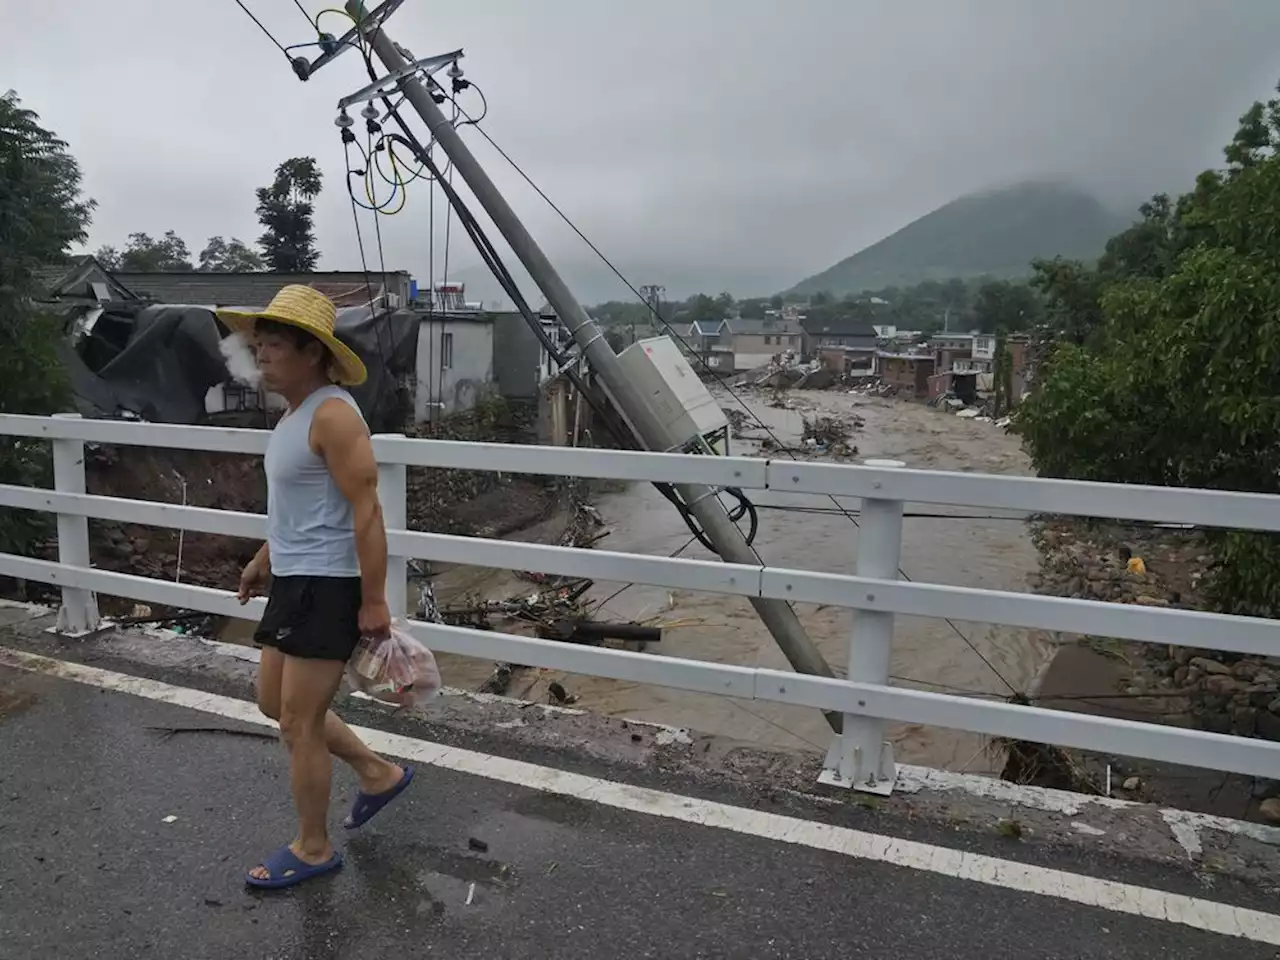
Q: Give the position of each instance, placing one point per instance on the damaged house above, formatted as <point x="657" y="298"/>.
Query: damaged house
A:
<point x="148" y="345"/>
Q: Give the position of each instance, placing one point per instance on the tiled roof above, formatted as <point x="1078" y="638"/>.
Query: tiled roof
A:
<point x="345" y="288"/>
<point x="838" y="326"/>
<point x="768" y="326"/>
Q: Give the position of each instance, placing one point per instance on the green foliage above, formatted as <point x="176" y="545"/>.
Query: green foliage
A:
<point x="701" y="307"/>
<point x="992" y="234"/>
<point x="1000" y="304"/>
<point x="285" y="210"/>
<point x="41" y="210"/>
<point x="229" y="256"/>
<point x="1169" y="368"/>
<point x="42" y="213"/>
<point x="33" y="380"/>
<point x="169" y="254"/>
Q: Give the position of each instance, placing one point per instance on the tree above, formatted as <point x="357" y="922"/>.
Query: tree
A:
<point x="142" y="254"/>
<point x="41" y="206"/>
<point x="701" y="307"/>
<point x="285" y="210"/>
<point x="1177" y="382"/>
<point x="752" y="309"/>
<point x="42" y="213"/>
<point x="223" y="256"/>
<point x="108" y="256"/>
<point x="1001" y="304"/>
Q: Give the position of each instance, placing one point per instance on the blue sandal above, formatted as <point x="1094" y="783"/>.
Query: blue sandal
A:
<point x="368" y="805"/>
<point x="285" y="869"/>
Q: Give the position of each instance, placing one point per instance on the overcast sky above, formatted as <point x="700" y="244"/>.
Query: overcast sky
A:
<point x="700" y="143"/>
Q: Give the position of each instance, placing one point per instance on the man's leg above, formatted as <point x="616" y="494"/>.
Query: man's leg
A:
<point x="376" y="774"/>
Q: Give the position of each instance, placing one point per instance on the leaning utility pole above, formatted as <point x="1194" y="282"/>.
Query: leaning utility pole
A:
<point x="702" y="501"/>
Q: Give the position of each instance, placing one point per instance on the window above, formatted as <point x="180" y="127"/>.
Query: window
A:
<point x="446" y="350"/>
<point x="768" y="340"/>
<point x="791" y="341"/>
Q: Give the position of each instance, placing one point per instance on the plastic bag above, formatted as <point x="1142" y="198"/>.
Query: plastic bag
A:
<point x="395" y="669"/>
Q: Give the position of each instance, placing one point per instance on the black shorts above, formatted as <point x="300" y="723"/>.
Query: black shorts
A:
<point x="313" y="617"/>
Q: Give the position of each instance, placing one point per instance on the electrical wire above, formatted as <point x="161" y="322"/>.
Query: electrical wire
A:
<point x="907" y="514"/>
<point x="263" y="28"/>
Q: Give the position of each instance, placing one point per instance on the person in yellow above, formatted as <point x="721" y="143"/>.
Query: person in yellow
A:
<point x="325" y="560"/>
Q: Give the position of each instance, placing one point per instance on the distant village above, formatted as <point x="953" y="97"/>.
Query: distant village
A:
<point x="909" y="362"/>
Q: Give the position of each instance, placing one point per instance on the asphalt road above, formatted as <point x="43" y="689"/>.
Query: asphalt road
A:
<point x="89" y="867"/>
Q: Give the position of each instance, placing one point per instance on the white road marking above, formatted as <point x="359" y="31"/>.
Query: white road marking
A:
<point x="1201" y="914"/>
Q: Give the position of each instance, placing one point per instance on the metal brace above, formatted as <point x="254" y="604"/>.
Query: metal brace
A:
<point x="428" y="64"/>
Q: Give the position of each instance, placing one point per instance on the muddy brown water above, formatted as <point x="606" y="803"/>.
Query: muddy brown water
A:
<point x="993" y="551"/>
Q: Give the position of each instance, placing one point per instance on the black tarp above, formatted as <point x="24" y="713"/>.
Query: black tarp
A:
<point x="158" y="362"/>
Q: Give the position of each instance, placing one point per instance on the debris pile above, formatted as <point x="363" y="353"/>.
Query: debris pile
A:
<point x="558" y="614"/>
<point x="830" y="436"/>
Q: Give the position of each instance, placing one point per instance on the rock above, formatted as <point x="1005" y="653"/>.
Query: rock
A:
<point x="1145" y="601"/>
<point x="1183" y="654"/>
<point x="1246" y="669"/>
<point x="1274" y="706"/>
<point x="1221" y="685"/>
<point x="1262" y="700"/>
<point x="1131" y="784"/>
<point x="1180" y="676"/>
<point x="1268" y="725"/>
<point x="1245" y="721"/>
<point x="1210" y="666"/>
<point x="1217" y="723"/>
<point x="1269" y="810"/>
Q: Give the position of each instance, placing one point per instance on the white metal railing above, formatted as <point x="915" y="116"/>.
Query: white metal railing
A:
<point x="859" y="757"/>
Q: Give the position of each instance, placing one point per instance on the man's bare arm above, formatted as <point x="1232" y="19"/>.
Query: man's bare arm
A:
<point x="341" y="438"/>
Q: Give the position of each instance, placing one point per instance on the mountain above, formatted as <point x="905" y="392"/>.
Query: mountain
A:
<point x="995" y="232"/>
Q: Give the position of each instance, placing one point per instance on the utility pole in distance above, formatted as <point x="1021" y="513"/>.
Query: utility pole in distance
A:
<point x="652" y="293"/>
<point x="702" y="501"/>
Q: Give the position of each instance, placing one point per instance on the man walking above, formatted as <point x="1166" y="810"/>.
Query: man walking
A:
<point x="326" y="561"/>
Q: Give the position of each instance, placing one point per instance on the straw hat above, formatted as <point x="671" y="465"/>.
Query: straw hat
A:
<point x="307" y="309"/>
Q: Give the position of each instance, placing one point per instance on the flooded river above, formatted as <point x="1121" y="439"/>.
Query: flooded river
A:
<point x="992" y="551"/>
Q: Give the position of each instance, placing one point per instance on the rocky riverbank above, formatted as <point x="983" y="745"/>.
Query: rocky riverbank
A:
<point x="1180" y="686"/>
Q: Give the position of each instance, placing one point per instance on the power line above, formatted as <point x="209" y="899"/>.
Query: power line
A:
<point x="261" y="27"/>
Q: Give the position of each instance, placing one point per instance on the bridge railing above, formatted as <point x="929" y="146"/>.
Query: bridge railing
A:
<point x="859" y="757"/>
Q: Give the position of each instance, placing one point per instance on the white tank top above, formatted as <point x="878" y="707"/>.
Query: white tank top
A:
<point x="310" y="524"/>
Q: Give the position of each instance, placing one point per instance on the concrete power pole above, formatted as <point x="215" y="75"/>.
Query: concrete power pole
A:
<point x="702" y="500"/>
<point x="652" y="293"/>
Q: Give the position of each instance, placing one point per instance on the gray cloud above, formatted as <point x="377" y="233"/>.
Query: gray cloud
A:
<point x="737" y="143"/>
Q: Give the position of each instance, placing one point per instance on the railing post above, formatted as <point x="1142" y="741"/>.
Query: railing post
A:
<point x="78" y="613"/>
<point x="861" y="757"/>
<point x="393" y="494"/>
